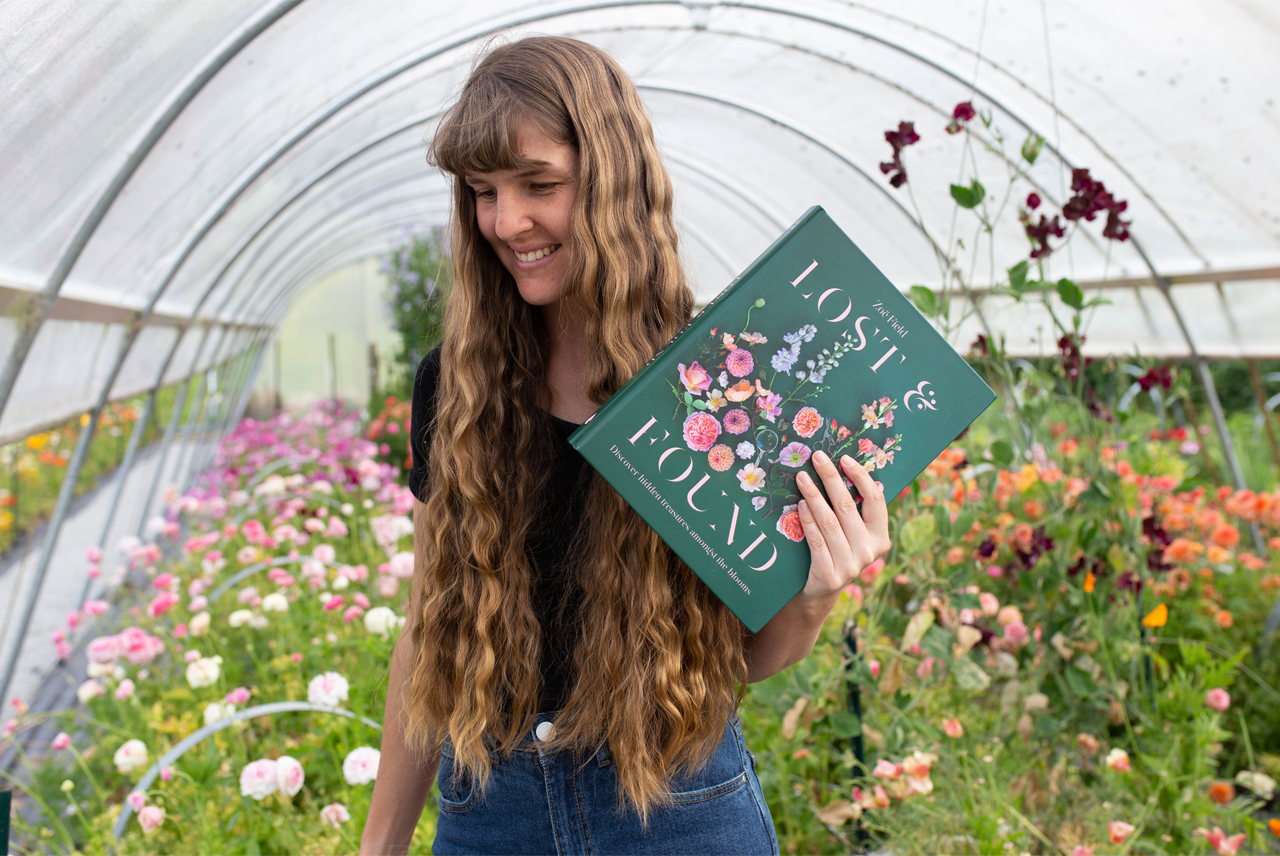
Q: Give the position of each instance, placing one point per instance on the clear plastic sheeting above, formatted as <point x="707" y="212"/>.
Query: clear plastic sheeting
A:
<point x="303" y="153"/>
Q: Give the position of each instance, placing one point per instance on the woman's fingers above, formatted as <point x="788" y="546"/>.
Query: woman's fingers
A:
<point x="832" y="533"/>
<point x="820" y="564"/>
<point x="841" y="502"/>
<point x="875" y="511"/>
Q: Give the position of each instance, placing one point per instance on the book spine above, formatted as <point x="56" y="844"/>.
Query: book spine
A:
<point x="583" y="435"/>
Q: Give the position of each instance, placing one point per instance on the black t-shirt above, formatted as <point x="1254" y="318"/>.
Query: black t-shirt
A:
<point x="556" y="600"/>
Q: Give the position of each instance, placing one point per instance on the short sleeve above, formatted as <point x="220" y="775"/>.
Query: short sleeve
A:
<point x="422" y="422"/>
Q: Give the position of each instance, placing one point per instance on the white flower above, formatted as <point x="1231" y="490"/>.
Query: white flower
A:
<point x="751" y="478"/>
<point x="89" y="689"/>
<point x="340" y="583"/>
<point x="257" y="622"/>
<point x="131" y="756"/>
<point x="329" y="689"/>
<point x="199" y="624"/>
<point x="1260" y="783"/>
<point x="240" y="617"/>
<point x="401" y="565"/>
<point x="745" y="450"/>
<point x="381" y="620"/>
<point x="334" y="814"/>
<point x="258" y="779"/>
<point x="289" y="775"/>
<point x="204" y="672"/>
<point x="217" y="710"/>
<point x="361" y="765"/>
<point x="150" y="818"/>
<point x="275" y="602"/>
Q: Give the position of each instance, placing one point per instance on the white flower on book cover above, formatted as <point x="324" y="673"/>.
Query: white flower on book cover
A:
<point x="732" y="385"/>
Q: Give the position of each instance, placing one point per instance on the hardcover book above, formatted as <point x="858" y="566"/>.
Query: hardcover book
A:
<point x="810" y="348"/>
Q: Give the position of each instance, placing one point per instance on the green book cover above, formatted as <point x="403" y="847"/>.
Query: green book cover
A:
<point x="810" y="348"/>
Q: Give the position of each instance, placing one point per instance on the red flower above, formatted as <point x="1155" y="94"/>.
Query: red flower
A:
<point x="962" y="114"/>
<point x="1090" y="199"/>
<point x="1040" y="232"/>
<point x="1033" y="201"/>
<point x="905" y="136"/>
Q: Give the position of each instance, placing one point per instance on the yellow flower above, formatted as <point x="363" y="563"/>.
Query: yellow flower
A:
<point x="1157" y="617"/>
<point x="37" y="441"/>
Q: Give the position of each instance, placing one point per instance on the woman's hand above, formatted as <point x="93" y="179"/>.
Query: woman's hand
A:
<point x="841" y="541"/>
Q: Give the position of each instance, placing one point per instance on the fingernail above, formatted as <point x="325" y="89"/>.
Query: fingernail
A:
<point x="804" y="507"/>
<point x="820" y="456"/>
<point x="803" y="478"/>
<point x="847" y="461"/>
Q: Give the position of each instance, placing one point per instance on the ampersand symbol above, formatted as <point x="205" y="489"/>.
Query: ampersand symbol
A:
<point x="927" y="399"/>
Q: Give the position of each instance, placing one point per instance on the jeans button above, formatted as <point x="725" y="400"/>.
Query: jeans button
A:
<point x="543" y="731"/>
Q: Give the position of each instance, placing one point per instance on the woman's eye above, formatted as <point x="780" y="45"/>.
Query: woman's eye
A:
<point x="484" y="194"/>
<point x="542" y="187"/>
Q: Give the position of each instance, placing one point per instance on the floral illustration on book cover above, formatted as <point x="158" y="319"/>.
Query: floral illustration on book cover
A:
<point x="753" y="406"/>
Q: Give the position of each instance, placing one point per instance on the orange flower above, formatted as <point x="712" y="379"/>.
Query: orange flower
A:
<point x="1089" y="581"/>
<point x="1181" y="578"/>
<point x="1217" y="555"/>
<point x="1222" y="792"/>
<point x="1251" y="562"/>
<point x="1157" y="617"/>
<point x="1183" y="550"/>
<point x="1224" y="619"/>
<point x="1225" y="535"/>
<point x="955" y="556"/>
<point x="1274" y="825"/>
<point x="740" y="391"/>
<point x="1033" y="508"/>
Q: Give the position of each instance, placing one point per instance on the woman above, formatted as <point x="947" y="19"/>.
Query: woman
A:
<point x="573" y="682"/>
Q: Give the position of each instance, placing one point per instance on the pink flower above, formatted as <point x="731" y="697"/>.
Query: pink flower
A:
<point x="953" y="729"/>
<point x="62" y="649"/>
<point x="770" y="406"/>
<point x="740" y="362"/>
<point x="62" y="741"/>
<point x="166" y="773"/>
<point x="336" y="529"/>
<point x="886" y="770"/>
<point x="737" y="421"/>
<point x="324" y="553"/>
<point x="351" y="613"/>
<point x="1218" y="699"/>
<point x="701" y="431"/>
<point x="926" y="667"/>
<point x="136" y="800"/>
<point x="387" y="586"/>
<point x="990" y="604"/>
<point x="1118" y="831"/>
<point x="874" y="666"/>
<point x="258" y="779"/>
<point x="720" y="457"/>
<point x="794" y="455"/>
<point x="124" y="690"/>
<point x="289" y="775"/>
<point x="334" y="814"/>
<point x="73" y="620"/>
<point x="191" y="656"/>
<point x="104" y="649"/>
<point x="1081" y="850"/>
<point x="93" y="555"/>
<point x="94" y="607"/>
<point x="1219" y="841"/>
<point x="333" y="603"/>
<point x="871" y="571"/>
<point x="162" y="603"/>
<point x="360" y="600"/>
<point x="1016" y="632"/>
<point x="1118" y="760"/>
<point x="150" y="818"/>
<point x="695" y="380"/>
<point x="329" y="689"/>
<point x="94" y="572"/>
<point x="401" y="565"/>
<point x="163" y="581"/>
<point x="361" y="765"/>
<point x="239" y="695"/>
<point x="807" y="421"/>
<point x="789" y="523"/>
<point x="140" y="647"/>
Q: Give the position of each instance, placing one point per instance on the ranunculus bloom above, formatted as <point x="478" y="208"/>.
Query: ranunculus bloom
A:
<point x="1222" y="792"/>
<point x="90" y="689"/>
<point x="215" y="711"/>
<point x="807" y="422"/>
<point x="1016" y="632"/>
<point x="275" y="602"/>
<point x="136" y="800"/>
<point x="361" y="765"/>
<point x="789" y="523"/>
<point x="258" y="779"/>
<point x="401" y="565"/>
<point x="104" y="649"/>
<point x="139" y="646"/>
<point x="240" y="617"/>
<point x="162" y="603"/>
<point x="1118" y="831"/>
<point x="94" y="607"/>
<point x="204" y="672"/>
<point x="199" y="624"/>
<point x="953" y="729"/>
<point x="324" y="553"/>
<point x="1218" y="699"/>
<point x="150" y="818"/>
<point x="239" y="695"/>
<point x="329" y="689"/>
<point x="381" y="620"/>
<point x="130" y="756"/>
<point x="701" y="431"/>
<point x="124" y="689"/>
<point x="289" y="775"/>
<point x="334" y="814"/>
<point x="1118" y="760"/>
<point x="62" y="741"/>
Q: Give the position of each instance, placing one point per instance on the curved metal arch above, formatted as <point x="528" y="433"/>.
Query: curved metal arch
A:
<point x="133" y="157"/>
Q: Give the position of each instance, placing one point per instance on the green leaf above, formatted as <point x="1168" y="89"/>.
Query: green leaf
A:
<point x="917" y="534"/>
<point x="1080" y="682"/>
<point x="1018" y="276"/>
<point x="1031" y="148"/>
<point x="700" y="404"/>
<point x="924" y="299"/>
<point x="688" y="398"/>
<point x="969" y="676"/>
<point x="968" y="197"/>
<point x="1002" y="452"/>
<point x="1096" y="495"/>
<point x="1071" y="294"/>
<point x="964" y="522"/>
<point x="845" y="724"/>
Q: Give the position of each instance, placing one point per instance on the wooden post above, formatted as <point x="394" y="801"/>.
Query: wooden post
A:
<point x="1260" y="396"/>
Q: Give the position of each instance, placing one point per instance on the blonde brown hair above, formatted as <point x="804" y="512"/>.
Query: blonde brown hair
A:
<point x="659" y="664"/>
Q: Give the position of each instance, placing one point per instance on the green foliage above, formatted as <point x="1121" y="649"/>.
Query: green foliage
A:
<point x="968" y="197"/>
<point x="419" y="277"/>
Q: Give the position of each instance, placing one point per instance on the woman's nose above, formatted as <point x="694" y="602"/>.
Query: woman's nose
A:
<point x="513" y="217"/>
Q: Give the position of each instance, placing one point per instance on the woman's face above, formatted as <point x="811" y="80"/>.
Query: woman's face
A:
<point x="525" y="215"/>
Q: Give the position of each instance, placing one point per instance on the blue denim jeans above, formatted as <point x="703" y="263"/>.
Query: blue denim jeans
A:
<point x="539" y="802"/>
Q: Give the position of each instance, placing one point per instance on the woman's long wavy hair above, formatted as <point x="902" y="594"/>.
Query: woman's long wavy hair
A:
<point x="659" y="661"/>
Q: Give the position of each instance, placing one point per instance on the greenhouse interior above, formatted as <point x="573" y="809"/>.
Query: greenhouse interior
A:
<point x="225" y="253"/>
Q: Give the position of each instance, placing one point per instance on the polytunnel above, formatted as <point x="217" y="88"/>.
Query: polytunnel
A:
<point x="177" y="175"/>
